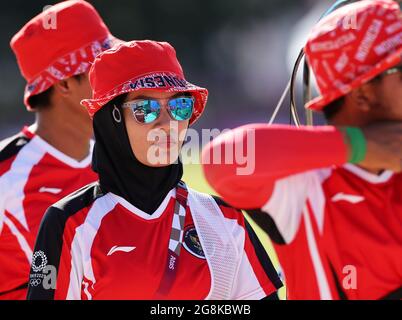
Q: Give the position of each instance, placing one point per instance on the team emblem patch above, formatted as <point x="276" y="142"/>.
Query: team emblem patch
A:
<point x="191" y="242"/>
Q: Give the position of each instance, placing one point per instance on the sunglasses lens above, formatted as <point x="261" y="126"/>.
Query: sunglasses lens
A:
<point x="146" y="111"/>
<point x="181" y="108"/>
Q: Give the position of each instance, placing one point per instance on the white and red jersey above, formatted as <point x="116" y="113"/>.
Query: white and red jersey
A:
<point x="33" y="176"/>
<point x="105" y="248"/>
<point x="337" y="229"/>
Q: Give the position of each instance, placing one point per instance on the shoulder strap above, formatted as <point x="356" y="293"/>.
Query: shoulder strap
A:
<point x="222" y="255"/>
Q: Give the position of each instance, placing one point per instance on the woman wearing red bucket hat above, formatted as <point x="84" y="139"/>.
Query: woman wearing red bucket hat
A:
<point x="140" y="233"/>
<point x="330" y="196"/>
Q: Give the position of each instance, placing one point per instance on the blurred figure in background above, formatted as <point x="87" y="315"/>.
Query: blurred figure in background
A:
<point x="51" y="158"/>
<point x="330" y="197"/>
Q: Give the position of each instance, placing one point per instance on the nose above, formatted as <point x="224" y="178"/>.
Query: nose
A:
<point x="164" y="119"/>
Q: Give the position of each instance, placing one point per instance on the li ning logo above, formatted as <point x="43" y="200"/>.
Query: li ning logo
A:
<point x="42" y="273"/>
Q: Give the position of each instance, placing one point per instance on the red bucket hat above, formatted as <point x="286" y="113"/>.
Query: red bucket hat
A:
<point x="59" y="43"/>
<point x="139" y="65"/>
<point x="353" y="45"/>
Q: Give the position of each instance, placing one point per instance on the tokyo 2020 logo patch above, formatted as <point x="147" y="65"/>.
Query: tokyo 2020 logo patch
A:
<point x="39" y="261"/>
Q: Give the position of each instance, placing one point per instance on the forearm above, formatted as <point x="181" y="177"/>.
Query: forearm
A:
<point x="273" y="152"/>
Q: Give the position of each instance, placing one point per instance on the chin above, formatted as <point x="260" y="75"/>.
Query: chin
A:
<point x="161" y="156"/>
<point x="159" y="165"/>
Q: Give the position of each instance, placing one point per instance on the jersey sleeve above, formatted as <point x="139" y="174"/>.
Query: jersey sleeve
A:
<point x="54" y="273"/>
<point x="280" y="216"/>
<point x="271" y="153"/>
<point x="256" y="277"/>
<point x="9" y="149"/>
<point x="58" y="250"/>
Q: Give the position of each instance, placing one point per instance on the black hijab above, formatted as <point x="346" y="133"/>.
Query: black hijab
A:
<point x="119" y="170"/>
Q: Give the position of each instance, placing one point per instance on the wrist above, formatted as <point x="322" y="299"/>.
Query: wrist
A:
<point x="356" y="142"/>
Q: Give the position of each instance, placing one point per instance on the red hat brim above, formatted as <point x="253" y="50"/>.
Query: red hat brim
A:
<point x="200" y="94"/>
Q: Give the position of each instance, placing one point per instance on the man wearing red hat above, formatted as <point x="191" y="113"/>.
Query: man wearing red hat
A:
<point x="330" y="196"/>
<point x="51" y="158"/>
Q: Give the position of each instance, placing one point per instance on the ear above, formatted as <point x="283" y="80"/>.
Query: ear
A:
<point x="63" y="87"/>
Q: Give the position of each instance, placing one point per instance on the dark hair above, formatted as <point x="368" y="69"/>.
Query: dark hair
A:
<point x="331" y="109"/>
<point x="42" y="100"/>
